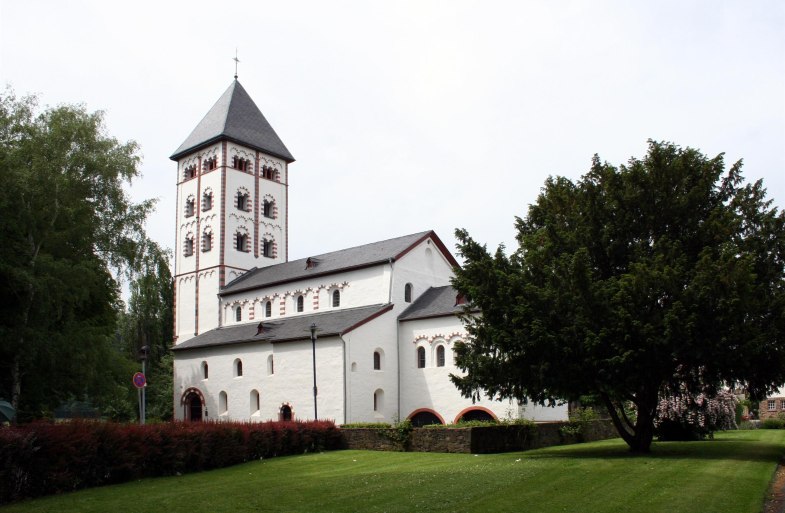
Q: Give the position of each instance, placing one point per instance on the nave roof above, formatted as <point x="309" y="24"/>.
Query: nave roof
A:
<point x="337" y="261"/>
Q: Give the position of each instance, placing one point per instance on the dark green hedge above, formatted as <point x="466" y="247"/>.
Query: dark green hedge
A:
<point x="41" y="459"/>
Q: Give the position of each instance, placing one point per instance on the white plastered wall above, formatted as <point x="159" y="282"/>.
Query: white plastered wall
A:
<point x="431" y="388"/>
<point x="362" y="380"/>
<point x="291" y="382"/>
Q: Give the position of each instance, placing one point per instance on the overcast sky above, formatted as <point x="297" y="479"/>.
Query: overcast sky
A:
<point x="408" y="116"/>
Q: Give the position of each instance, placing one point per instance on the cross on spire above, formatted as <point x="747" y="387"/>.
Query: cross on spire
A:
<point x="236" y="62"/>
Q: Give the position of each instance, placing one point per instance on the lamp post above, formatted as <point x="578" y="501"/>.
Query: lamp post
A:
<point x="142" y="396"/>
<point x="313" y="347"/>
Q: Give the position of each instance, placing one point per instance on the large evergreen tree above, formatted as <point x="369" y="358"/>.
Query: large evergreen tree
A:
<point x="667" y="272"/>
<point x="67" y="228"/>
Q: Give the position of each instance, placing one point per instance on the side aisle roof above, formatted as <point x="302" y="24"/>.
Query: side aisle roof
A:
<point x="335" y="323"/>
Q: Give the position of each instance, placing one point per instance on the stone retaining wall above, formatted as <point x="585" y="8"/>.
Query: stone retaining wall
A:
<point x="474" y="440"/>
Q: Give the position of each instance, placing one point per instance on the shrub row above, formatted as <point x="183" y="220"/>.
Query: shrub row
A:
<point x="773" y="423"/>
<point x="41" y="459"/>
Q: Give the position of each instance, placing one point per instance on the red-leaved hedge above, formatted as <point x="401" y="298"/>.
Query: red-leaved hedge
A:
<point x="41" y="459"/>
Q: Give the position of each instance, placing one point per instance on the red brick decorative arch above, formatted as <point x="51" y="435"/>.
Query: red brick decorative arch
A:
<point x="474" y="408"/>
<point x="184" y="404"/>
<point x="189" y="391"/>
<point x="426" y="410"/>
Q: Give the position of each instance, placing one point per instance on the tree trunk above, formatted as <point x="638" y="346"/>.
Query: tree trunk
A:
<point x="639" y="435"/>
<point x="16" y="384"/>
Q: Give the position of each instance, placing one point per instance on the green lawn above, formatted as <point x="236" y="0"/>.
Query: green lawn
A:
<point x="729" y="474"/>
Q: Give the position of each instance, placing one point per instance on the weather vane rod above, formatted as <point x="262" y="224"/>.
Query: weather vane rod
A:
<point x="236" y="62"/>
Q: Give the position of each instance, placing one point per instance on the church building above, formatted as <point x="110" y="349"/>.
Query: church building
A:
<point x="364" y="334"/>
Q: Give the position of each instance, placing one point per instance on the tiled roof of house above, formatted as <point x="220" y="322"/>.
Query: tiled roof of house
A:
<point x="236" y="117"/>
<point x="296" y="327"/>
<point x="434" y="302"/>
<point x="336" y="261"/>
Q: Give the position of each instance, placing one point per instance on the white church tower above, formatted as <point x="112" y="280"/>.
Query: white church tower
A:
<point x="232" y="206"/>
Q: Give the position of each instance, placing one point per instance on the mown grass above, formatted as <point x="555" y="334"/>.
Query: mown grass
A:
<point x="728" y="474"/>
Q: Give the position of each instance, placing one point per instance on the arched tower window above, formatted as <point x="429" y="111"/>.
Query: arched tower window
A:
<point x="268" y="209"/>
<point x="189" y="172"/>
<point x="270" y="365"/>
<point x="188" y="247"/>
<point x="205" y="369"/>
<point x="378" y="400"/>
<point x="238" y="314"/>
<point x="241" y="163"/>
<point x="377" y="360"/>
<point x="243" y="200"/>
<point x="420" y="357"/>
<point x="207" y="200"/>
<point x="238" y="368"/>
<point x="241" y="242"/>
<point x="440" y="356"/>
<point x="270" y="173"/>
<point x="207" y="241"/>
<point x="268" y="248"/>
<point x="407" y="293"/>
<point x="210" y="164"/>
<point x="336" y="298"/>
<point x="190" y="208"/>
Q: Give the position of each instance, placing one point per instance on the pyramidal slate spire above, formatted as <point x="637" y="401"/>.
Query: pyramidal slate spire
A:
<point x="236" y="117"/>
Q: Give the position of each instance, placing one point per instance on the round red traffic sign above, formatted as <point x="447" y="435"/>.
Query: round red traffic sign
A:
<point x="139" y="380"/>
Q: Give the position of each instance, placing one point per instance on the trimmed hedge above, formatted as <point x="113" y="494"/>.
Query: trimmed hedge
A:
<point x="41" y="459"/>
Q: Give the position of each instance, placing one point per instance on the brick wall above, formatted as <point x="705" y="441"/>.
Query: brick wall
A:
<point x="764" y="412"/>
<point x="474" y="440"/>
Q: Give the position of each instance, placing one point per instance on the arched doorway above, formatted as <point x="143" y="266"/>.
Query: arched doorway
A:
<point x="285" y="413"/>
<point x="425" y="417"/>
<point x="475" y="414"/>
<point x="193" y="405"/>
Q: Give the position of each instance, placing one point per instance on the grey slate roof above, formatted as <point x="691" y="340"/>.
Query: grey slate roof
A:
<point x="235" y="116"/>
<point x="338" y="322"/>
<point x="329" y="263"/>
<point x="434" y="302"/>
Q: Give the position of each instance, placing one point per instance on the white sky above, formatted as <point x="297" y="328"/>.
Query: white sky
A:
<point x="408" y="116"/>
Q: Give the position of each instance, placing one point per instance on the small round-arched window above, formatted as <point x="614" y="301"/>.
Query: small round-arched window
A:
<point x="300" y="303"/>
<point x="420" y="357"/>
<point x="238" y="314"/>
<point x="440" y="356"/>
<point x="238" y="368"/>
<point x="336" y="298"/>
<point x="268" y="309"/>
<point x="407" y="293"/>
<point x="223" y="403"/>
<point x="205" y="369"/>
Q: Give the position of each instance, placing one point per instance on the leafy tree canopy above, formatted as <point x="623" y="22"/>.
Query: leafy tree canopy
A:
<point x="665" y="272"/>
<point x="67" y="228"/>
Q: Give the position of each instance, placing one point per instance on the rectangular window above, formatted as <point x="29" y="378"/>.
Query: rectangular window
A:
<point x="772" y="405"/>
<point x="782" y="404"/>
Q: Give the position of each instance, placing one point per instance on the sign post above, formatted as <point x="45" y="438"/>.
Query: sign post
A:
<point x="140" y="382"/>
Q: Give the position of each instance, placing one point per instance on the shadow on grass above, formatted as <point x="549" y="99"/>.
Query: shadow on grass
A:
<point x="726" y="449"/>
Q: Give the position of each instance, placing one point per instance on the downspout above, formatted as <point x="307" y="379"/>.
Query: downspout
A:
<point x="398" y="356"/>
<point x="397" y="344"/>
<point x="389" y="289"/>
<point x="345" y="388"/>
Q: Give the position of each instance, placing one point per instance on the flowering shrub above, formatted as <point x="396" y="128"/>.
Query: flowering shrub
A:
<point x="40" y="459"/>
<point x="685" y="416"/>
